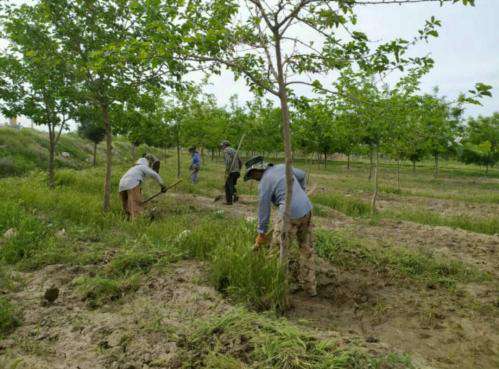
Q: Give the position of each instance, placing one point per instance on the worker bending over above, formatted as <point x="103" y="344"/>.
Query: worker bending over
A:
<point x="272" y="189"/>
<point x="130" y="184"/>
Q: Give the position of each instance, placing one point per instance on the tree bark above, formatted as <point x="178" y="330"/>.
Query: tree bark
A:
<point x="375" y="193"/>
<point x="178" y="149"/>
<point x="325" y="160"/>
<point x="436" y="165"/>
<point x="134" y="150"/>
<point x="398" y="175"/>
<point x="95" y="154"/>
<point x="288" y="154"/>
<point x="371" y="163"/>
<point x="109" y="157"/>
<point x="50" y="169"/>
<point x="348" y="161"/>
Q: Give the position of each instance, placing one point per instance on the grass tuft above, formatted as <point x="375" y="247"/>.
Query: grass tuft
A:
<point x="98" y="291"/>
<point x="348" y="252"/>
<point x="347" y="205"/>
<point x="9" y="318"/>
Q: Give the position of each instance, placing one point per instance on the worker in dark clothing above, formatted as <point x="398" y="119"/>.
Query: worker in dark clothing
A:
<point x="232" y="172"/>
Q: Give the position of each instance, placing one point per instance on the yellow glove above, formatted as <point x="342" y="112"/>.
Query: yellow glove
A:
<point x="260" y="240"/>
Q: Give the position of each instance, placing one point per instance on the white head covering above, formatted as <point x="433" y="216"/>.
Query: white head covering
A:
<point x="142" y="161"/>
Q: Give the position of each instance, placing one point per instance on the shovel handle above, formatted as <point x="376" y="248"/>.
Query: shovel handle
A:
<point x="160" y="192"/>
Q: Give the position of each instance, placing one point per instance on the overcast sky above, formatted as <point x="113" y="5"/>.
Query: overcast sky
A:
<point x="466" y="52"/>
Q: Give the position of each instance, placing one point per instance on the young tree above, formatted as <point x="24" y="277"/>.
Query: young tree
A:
<point x="315" y="128"/>
<point x="441" y="125"/>
<point x="276" y="46"/>
<point x="90" y="128"/>
<point x="123" y="51"/>
<point x="480" y="141"/>
<point x="37" y="81"/>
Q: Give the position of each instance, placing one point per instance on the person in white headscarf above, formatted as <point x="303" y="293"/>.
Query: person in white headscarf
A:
<point x="130" y="186"/>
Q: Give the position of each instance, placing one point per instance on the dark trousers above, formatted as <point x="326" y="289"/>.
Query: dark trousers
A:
<point x="230" y="187"/>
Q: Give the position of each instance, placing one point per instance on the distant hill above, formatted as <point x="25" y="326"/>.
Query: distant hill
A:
<point x="24" y="150"/>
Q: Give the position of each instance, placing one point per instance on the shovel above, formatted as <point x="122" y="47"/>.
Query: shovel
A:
<point x="160" y="192"/>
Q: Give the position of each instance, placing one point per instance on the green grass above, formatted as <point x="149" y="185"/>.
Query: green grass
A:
<point x="180" y="231"/>
<point x="253" y="278"/>
<point x="9" y="318"/>
<point x="98" y="291"/>
<point x="25" y="150"/>
<point x="478" y="225"/>
<point x="121" y="254"/>
<point x="347" y="205"/>
<point x="241" y="339"/>
<point x="347" y="252"/>
<point x="354" y="207"/>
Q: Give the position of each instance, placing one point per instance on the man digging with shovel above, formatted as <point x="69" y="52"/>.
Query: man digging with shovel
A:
<point x="130" y="184"/>
<point x="272" y="189"/>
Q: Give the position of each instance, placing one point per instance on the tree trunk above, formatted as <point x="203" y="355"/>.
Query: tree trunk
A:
<point x="371" y="163"/>
<point x="414" y="167"/>
<point x="95" y="154"/>
<point x="375" y="193"/>
<point x="178" y="149"/>
<point x="109" y="158"/>
<point x="398" y="175"/>
<point x="325" y="160"/>
<point x="348" y="161"/>
<point x="288" y="154"/>
<point x="50" y="169"/>
<point x="134" y="150"/>
<point x="436" y="165"/>
<point x="212" y="154"/>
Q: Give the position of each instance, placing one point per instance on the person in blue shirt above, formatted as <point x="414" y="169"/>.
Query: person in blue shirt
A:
<point x="272" y="190"/>
<point x="195" y="164"/>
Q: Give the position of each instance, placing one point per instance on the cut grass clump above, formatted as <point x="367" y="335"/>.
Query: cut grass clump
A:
<point x="347" y="252"/>
<point x="347" y="205"/>
<point x="98" y="291"/>
<point x="252" y="278"/>
<point x="240" y="339"/>
<point x="9" y="318"/>
<point x="129" y="263"/>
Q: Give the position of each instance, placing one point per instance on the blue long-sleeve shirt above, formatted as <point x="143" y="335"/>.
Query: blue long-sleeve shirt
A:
<point x="272" y="189"/>
<point x="196" y="159"/>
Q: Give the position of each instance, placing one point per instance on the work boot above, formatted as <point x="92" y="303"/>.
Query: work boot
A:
<point x="236" y="198"/>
